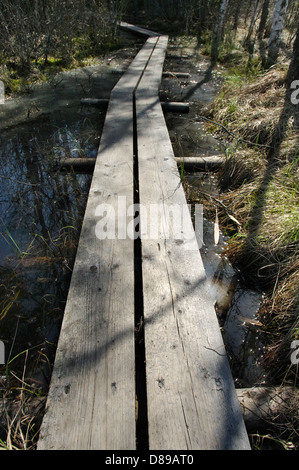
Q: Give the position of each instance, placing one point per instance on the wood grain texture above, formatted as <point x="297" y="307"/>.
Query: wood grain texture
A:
<point x="91" y="401"/>
<point x="192" y="402"/>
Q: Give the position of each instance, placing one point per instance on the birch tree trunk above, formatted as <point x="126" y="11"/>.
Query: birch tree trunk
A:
<point x="277" y="28"/>
<point x="292" y="81"/>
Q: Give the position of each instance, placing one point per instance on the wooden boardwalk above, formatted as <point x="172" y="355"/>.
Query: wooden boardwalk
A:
<point x="95" y="401"/>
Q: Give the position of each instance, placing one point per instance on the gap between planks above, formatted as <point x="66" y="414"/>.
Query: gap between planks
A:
<point x="190" y="390"/>
<point x="91" y="401"/>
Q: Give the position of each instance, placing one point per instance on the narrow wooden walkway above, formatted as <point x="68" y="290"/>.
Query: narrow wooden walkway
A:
<point x="190" y="395"/>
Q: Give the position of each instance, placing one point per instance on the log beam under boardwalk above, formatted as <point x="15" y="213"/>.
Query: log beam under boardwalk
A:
<point x="189" y="164"/>
<point x="171" y="107"/>
<point x="190" y="390"/>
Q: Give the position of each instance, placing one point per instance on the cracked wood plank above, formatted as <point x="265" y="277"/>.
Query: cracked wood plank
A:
<point x="91" y="401"/>
<point x="192" y="403"/>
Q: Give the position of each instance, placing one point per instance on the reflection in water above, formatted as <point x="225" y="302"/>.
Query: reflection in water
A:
<point x="236" y="308"/>
<point x="41" y="212"/>
<point x="241" y="332"/>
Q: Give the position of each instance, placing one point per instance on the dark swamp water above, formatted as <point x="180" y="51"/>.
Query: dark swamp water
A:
<point x="41" y="211"/>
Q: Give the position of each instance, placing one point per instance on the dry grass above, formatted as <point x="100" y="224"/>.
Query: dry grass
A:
<point x="260" y="188"/>
<point x="251" y="111"/>
<point x="20" y="413"/>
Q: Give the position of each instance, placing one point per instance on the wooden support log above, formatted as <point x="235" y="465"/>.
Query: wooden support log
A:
<point x="212" y="163"/>
<point x="78" y="165"/>
<point x="97" y="102"/>
<point x="86" y="165"/>
<point x="179" y="57"/>
<point x="175" y="75"/>
<point x="262" y="405"/>
<point x="173" y="107"/>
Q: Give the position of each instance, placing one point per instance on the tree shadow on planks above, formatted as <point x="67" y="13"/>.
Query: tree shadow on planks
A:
<point x="219" y="375"/>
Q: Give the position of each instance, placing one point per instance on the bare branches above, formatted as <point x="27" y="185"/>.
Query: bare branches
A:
<point x="32" y="31"/>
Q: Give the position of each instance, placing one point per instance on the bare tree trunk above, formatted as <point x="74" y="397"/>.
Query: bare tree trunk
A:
<point x="277" y="28"/>
<point x="248" y="10"/>
<point x="293" y="72"/>
<point x="202" y="14"/>
<point x="264" y="17"/>
<point x="237" y="14"/>
<point x="217" y="35"/>
<point x="247" y="42"/>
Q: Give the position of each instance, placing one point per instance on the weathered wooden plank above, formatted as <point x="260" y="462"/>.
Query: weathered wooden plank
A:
<point x="91" y="401"/>
<point x="138" y="30"/>
<point x="192" y="402"/>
